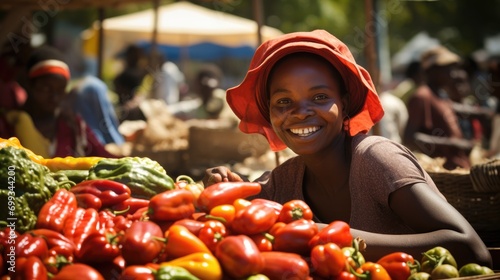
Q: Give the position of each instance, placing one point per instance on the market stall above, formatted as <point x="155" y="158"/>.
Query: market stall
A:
<point x="179" y="26"/>
<point x="99" y="218"/>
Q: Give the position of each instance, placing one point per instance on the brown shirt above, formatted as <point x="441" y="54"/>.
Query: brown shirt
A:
<point x="378" y="167"/>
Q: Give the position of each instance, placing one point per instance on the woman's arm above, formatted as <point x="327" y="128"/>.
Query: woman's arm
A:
<point x="436" y="222"/>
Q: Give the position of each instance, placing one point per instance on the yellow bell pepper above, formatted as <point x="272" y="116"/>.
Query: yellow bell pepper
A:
<point x="54" y="164"/>
<point x="202" y="265"/>
<point x="71" y="163"/>
<point x="14" y="142"/>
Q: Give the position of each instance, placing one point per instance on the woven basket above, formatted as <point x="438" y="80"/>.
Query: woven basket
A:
<point x="481" y="209"/>
<point x="486" y="177"/>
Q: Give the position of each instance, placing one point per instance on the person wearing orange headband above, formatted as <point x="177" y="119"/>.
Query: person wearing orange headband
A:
<point x="305" y="91"/>
<point x="42" y="125"/>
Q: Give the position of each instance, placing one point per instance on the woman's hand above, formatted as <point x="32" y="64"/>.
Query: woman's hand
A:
<point x="220" y="174"/>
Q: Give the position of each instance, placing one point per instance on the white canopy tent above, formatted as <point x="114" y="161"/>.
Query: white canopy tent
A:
<point x="181" y="24"/>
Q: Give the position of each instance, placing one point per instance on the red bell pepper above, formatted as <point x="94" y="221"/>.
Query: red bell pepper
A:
<point x="142" y="243"/>
<point x="193" y="226"/>
<point x="338" y="232"/>
<point x="53" y="264"/>
<point x="108" y="191"/>
<point x="372" y="271"/>
<point x="81" y="224"/>
<point x="171" y="205"/>
<point x="31" y="268"/>
<point x="88" y="200"/>
<point x="54" y="212"/>
<point x="8" y="237"/>
<point x="130" y="205"/>
<point x="294" y="210"/>
<point x="28" y="245"/>
<point x="294" y="237"/>
<point x="225" y="193"/>
<point x="106" y="219"/>
<point x="137" y="272"/>
<point x="181" y="242"/>
<point x="140" y="215"/>
<point x="120" y="223"/>
<point x="345" y="275"/>
<point x="58" y="244"/>
<point x="100" y="246"/>
<point x="253" y="219"/>
<point x="110" y="269"/>
<point x="399" y="265"/>
<point x="239" y="256"/>
<point x="328" y="260"/>
<point x="273" y="204"/>
<point x="2" y="263"/>
<point x="212" y="233"/>
<point x="278" y="265"/>
<point x="78" y="271"/>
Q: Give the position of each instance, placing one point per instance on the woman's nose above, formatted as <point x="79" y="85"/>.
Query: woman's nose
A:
<point x="303" y="109"/>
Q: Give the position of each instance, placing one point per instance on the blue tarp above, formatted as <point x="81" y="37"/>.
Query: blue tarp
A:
<point x="202" y="51"/>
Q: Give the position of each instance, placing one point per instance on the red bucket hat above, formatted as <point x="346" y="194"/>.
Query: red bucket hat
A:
<point x="246" y="99"/>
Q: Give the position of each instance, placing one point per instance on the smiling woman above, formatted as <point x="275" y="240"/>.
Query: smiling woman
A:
<point x="305" y="91"/>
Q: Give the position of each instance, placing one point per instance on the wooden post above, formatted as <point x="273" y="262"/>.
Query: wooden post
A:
<point x="100" y="43"/>
<point x="259" y="18"/>
<point x="371" y="48"/>
<point x="154" y="38"/>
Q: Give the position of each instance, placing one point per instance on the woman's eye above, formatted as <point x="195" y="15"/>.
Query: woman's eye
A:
<point x="320" y="97"/>
<point x="282" y="101"/>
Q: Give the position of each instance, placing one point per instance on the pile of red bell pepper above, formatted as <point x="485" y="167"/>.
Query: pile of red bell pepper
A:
<point x="98" y="230"/>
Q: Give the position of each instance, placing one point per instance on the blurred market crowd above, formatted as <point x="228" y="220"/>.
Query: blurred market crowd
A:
<point x="440" y="105"/>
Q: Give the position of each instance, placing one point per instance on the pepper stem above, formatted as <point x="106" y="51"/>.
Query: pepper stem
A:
<point x="184" y="178"/>
<point x="217" y="218"/>
<point x="119" y="212"/>
<point x="365" y="275"/>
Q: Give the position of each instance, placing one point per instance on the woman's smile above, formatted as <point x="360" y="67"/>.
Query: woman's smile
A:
<point x="306" y="131"/>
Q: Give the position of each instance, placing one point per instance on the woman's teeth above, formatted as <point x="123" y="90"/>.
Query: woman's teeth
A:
<point x="304" y="131"/>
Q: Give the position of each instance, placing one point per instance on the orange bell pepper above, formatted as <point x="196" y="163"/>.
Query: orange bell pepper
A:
<point x="372" y="271"/>
<point x="202" y="265"/>
<point x="181" y="242"/>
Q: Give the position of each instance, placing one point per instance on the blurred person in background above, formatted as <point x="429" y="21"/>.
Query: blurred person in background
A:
<point x="493" y="150"/>
<point x="209" y="101"/>
<point x="89" y="98"/>
<point x="164" y="81"/>
<point x="433" y="126"/>
<point x="127" y="84"/>
<point x="42" y="125"/>
<point x="413" y="78"/>
<point x="393" y="123"/>
<point x="12" y="95"/>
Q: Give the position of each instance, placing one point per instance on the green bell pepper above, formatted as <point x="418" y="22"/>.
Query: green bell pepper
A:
<point x="168" y="272"/>
<point x="144" y="177"/>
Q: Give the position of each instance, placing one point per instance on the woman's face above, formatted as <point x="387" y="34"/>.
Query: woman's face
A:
<point x="306" y="103"/>
<point x="47" y="92"/>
